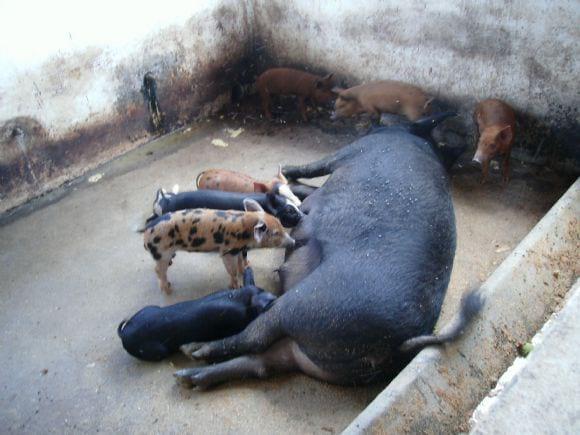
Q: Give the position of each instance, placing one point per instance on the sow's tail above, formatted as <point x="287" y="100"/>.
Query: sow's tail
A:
<point x="423" y="127"/>
<point x="471" y="305"/>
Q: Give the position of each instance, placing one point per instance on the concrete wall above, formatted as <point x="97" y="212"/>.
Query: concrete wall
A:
<point x="71" y="78"/>
<point x="71" y="74"/>
<point x="527" y="53"/>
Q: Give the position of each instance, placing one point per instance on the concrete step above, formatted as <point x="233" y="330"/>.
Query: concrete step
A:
<point x="540" y="394"/>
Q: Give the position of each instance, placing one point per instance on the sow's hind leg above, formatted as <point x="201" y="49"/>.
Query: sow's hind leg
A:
<point x="258" y="336"/>
<point x="283" y="356"/>
<point x="321" y="167"/>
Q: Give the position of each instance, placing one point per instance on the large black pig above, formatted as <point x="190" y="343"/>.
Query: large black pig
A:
<point x="365" y="284"/>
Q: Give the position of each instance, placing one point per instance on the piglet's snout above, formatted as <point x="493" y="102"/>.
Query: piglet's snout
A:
<point x="476" y="160"/>
<point x="288" y="242"/>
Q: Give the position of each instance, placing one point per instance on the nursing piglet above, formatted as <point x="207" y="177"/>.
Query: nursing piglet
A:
<point x="232" y="181"/>
<point x="231" y="233"/>
<point x="154" y="333"/>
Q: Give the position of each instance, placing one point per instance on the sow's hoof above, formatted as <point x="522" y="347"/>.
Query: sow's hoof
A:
<point x="194" y="377"/>
<point x="191" y="348"/>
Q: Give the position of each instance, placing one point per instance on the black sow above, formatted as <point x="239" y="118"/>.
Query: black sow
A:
<point x="365" y="283"/>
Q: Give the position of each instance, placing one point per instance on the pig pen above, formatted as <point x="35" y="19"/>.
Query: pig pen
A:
<point x="73" y="268"/>
<point x="90" y="129"/>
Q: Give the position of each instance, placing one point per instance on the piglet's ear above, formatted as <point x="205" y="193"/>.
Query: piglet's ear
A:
<point x="281" y="176"/>
<point x="260" y="230"/>
<point x="252" y="205"/>
<point x="506" y="134"/>
<point x="260" y="187"/>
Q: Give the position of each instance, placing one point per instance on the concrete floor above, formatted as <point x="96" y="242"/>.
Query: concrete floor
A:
<point x="72" y="270"/>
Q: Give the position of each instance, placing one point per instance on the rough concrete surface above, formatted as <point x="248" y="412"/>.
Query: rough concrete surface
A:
<point x="542" y="397"/>
<point x="73" y="269"/>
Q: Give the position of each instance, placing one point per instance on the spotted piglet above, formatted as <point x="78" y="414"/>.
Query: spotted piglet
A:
<point x="231" y="233"/>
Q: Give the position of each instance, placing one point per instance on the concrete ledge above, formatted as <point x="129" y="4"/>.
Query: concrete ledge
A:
<point x="438" y="390"/>
<point x="539" y="394"/>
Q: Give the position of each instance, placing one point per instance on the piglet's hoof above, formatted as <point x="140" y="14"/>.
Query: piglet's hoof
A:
<point x="189" y="349"/>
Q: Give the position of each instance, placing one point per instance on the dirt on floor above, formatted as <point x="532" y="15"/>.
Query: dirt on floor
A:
<point x="72" y="269"/>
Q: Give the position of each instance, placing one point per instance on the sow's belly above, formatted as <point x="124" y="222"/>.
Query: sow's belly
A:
<point x="387" y="242"/>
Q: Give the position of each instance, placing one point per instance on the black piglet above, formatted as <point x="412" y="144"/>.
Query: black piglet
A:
<point x="156" y="332"/>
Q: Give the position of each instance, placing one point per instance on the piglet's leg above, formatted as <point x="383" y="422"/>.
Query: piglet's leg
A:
<point x="506" y="168"/>
<point x="265" y="97"/>
<point x="484" y="171"/>
<point x="302" y="107"/>
<point x="242" y="262"/>
<point x="161" y="270"/>
<point x="231" y="264"/>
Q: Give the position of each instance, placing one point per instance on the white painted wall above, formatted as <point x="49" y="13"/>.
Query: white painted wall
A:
<point x="59" y="59"/>
<point x="69" y="70"/>
<point x="71" y="74"/>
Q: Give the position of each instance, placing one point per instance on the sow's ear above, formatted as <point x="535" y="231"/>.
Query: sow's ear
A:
<point x="260" y="230"/>
<point x="252" y="205"/>
<point x="260" y="187"/>
<point x="506" y="134"/>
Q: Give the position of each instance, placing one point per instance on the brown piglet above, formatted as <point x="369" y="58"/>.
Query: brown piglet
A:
<point x="230" y="232"/>
<point x="232" y="181"/>
<point x="287" y="81"/>
<point x="496" y="123"/>
<point x="385" y="96"/>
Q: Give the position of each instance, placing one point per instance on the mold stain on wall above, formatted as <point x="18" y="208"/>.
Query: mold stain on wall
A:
<point x="166" y="81"/>
<point x="78" y="110"/>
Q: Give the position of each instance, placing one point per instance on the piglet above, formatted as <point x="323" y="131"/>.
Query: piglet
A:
<point x="232" y="181"/>
<point x="155" y="333"/>
<point x="231" y="233"/>
<point x="385" y="96"/>
<point x="277" y="205"/>
<point x="496" y="124"/>
<point x="287" y="81"/>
